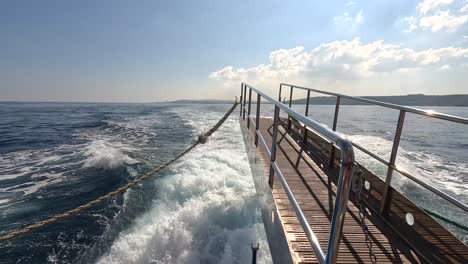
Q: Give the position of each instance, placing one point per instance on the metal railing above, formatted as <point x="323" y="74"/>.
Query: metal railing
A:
<point x="346" y="172"/>
<point x="386" y="199"/>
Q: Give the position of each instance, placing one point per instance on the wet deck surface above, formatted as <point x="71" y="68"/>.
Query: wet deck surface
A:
<point x="315" y="193"/>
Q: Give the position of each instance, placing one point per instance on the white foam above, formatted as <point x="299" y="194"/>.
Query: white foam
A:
<point x="205" y="212"/>
<point x="102" y="155"/>
<point x="136" y="129"/>
<point x="37" y="166"/>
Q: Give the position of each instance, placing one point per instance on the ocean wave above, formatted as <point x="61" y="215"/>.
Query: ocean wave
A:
<point x="101" y="154"/>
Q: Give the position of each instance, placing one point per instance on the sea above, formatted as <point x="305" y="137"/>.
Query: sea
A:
<point x="202" y="209"/>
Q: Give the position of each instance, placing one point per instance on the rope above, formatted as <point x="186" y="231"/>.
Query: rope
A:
<point x="445" y="219"/>
<point x="201" y="139"/>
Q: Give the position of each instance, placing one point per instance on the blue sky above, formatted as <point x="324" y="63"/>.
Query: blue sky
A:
<point x="142" y="51"/>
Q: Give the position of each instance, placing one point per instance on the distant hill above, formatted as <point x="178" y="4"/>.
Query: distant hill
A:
<point x="412" y="99"/>
<point x="202" y="101"/>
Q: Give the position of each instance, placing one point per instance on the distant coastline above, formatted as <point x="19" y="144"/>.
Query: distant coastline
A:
<point x="202" y="101"/>
<point x="460" y="100"/>
<point x="410" y="100"/>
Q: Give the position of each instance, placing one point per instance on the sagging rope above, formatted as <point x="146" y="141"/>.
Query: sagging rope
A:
<point x="201" y="139"/>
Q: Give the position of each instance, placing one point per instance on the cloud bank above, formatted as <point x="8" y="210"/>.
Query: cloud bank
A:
<point x="343" y="60"/>
<point x="438" y="15"/>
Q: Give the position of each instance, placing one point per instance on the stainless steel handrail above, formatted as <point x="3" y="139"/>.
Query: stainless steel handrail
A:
<point x="345" y="178"/>
<point x="408" y="109"/>
<point x="390" y="164"/>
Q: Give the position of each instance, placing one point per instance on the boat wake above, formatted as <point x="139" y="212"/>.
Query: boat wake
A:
<point x="204" y="209"/>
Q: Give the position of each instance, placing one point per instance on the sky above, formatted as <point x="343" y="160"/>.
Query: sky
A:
<point x="145" y="51"/>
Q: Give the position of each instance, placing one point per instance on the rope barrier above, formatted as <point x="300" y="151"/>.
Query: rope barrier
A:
<point x="200" y="140"/>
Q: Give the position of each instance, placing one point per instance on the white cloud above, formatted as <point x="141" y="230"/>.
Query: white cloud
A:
<point x="431" y="17"/>
<point x="350" y="3"/>
<point x="348" y="20"/>
<point x="345" y="18"/>
<point x="343" y="60"/>
<point x="464" y="8"/>
<point x="348" y="23"/>
<point x="359" y="18"/>
<point x="428" y="5"/>
<point x="412" y="24"/>
<point x="442" y="20"/>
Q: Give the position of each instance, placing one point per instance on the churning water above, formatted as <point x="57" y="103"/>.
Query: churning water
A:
<point x="55" y="157"/>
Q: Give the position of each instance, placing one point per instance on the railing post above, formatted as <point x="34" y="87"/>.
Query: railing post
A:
<point x="245" y="97"/>
<point x="290" y="96"/>
<point x="254" y="253"/>
<point x="257" y="119"/>
<point x="290" y="103"/>
<point x="248" y="110"/>
<point x="273" y="145"/>
<point x="279" y="96"/>
<point x="241" y="95"/>
<point x="386" y="198"/>
<point x="331" y="161"/>
<point x="306" y="114"/>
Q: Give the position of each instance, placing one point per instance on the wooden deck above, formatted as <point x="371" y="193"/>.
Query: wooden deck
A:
<point x="315" y="192"/>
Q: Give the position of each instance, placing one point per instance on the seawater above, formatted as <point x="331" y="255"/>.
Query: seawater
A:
<point x="55" y="157"/>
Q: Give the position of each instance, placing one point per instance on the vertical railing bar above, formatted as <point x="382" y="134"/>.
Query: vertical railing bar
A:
<point x="257" y="118"/>
<point x="240" y="101"/>
<point x="248" y="110"/>
<point x="290" y="96"/>
<point x="306" y="114"/>
<point x="385" y="204"/>
<point x="273" y="145"/>
<point x="290" y="104"/>
<point x="331" y="160"/>
<point x="245" y="97"/>
<point x="279" y="96"/>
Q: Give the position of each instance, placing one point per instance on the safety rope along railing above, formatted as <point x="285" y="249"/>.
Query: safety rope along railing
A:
<point x="200" y="140"/>
<point x="386" y="199"/>
<point x="345" y="177"/>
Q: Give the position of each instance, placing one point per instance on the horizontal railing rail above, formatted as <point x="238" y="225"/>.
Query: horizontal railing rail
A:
<point x="386" y="199"/>
<point x="408" y="109"/>
<point x="346" y="172"/>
